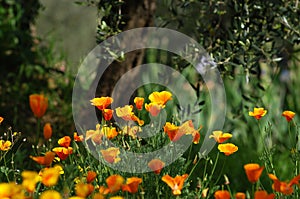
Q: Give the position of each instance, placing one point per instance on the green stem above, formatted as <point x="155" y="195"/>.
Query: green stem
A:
<point x="38" y="131"/>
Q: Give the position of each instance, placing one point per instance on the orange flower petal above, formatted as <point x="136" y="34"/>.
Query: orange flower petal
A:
<point x="258" y="113"/>
<point x="47" y="131"/>
<point x="114" y="183"/>
<point x="253" y="172"/>
<point x="139" y="101"/>
<point x="65" y="141"/>
<point x="220" y="137"/>
<point x="102" y="102"/>
<point x="222" y="194"/>
<point x="240" y="195"/>
<point x="91" y="176"/>
<point x="156" y="165"/>
<point x="132" y="184"/>
<point x="38" y="104"/>
<point x="289" y="115"/>
<point x="176" y="184"/>
<point x="227" y="148"/>
<point x="44" y="160"/>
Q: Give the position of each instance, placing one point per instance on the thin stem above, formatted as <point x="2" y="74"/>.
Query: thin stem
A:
<point x="38" y="131"/>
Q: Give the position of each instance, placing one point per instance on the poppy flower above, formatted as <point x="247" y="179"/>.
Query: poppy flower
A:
<point x="11" y="190"/>
<point x="220" y="137"/>
<point x="176" y="184"/>
<point x="50" y="176"/>
<point x="47" y="131"/>
<point x="132" y="131"/>
<point x="101" y="102"/>
<point x="284" y="187"/>
<point x="126" y="114"/>
<point x="187" y="128"/>
<point x="63" y="152"/>
<point x="50" y="194"/>
<point x="78" y="138"/>
<point x="95" y="135"/>
<point x="30" y="179"/>
<point x="240" y="195"/>
<point x="5" y="145"/>
<point x="132" y="184"/>
<point x="261" y="194"/>
<point x="109" y="132"/>
<point x="38" y="104"/>
<point x="44" y="160"/>
<point x="64" y="141"/>
<point x="1" y="119"/>
<point x="156" y="165"/>
<point x="83" y="190"/>
<point x="227" y="148"/>
<point x="91" y="176"/>
<point x="258" y="113"/>
<point x="153" y="108"/>
<point x="160" y="98"/>
<point x="114" y="183"/>
<point x="111" y="155"/>
<point x="289" y="115"/>
<point x="253" y="172"/>
<point x="107" y="114"/>
<point x="222" y="194"/>
<point x="172" y="131"/>
<point x="139" y="101"/>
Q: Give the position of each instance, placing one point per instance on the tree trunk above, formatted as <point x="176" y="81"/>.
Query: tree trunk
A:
<point x="135" y="14"/>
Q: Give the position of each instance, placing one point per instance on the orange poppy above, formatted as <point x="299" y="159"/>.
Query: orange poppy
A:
<point x="5" y="145"/>
<point x="50" y="176"/>
<point x="91" y="176"/>
<point x="64" y="141"/>
<point x="126" y="114"/>
<point x="101" y="102"/>
<point x="47" y="131"/>
<point x="132" y="131"/>
<point x="111" y="155"/>
<point x="222" y="194"/>
<point x="172" y="131"/>
<point x="78" y="138"/>
<point x="63" y="152"/>
<point x="110" y="133"/>
<point x="132" y="184"/>
<point x="263" y="195"/>
<point x="153" y="108"/>
<point x="258" y="113"/>
<point x="187" y="128"/>
<point x="284" y="187"/>
<point x="30" y="179"/>
<point x="1" y="119"/>
<point x="240" y="195"/>
<point x="104" y="190"/>
<point x="95" y="135"/>
<point x="114" y="183"/>
<point x="289" y="115"/>
<point x="220" y="137"/>
<point x="160" y="98"/>
<point x="139" y="101"/>
<point x="83" y="190"/>
<point x="38" y="104"/>
<point x="44" y="160"/>
<point x="107" y="114"/>
<point x="50" y="194"/>
<point x="156" y="165"/>
<point x="227" y="148"/>
<point x="253" y="172"/>
<point x="176" y="184"/>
